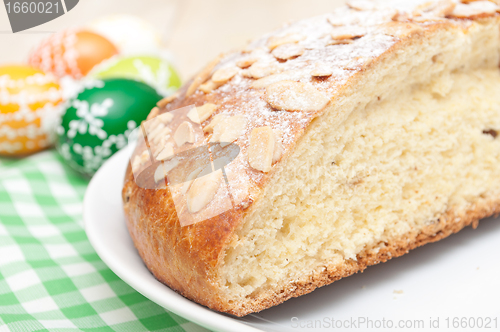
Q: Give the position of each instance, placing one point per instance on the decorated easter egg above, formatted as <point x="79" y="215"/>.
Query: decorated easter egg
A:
<point x="29" y="108"/>
<point x="96" y="123"/>
<point x="152" y="70"/>
<point x="131" y="34"/>
<point x="72" y="53"/>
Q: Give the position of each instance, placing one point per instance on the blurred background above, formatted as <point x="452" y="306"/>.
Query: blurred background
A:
<point x="193" y="30"/>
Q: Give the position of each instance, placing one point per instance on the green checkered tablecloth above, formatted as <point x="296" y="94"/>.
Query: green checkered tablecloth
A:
<point x="51" y="279"/>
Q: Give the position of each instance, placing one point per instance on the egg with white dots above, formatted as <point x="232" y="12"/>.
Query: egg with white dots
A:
<point x="97" y="122"/>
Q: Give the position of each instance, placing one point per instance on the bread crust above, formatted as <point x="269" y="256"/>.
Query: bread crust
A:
<point x="188" y="259"/>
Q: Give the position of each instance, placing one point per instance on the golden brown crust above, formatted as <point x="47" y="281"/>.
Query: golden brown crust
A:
<point x="168" y="262"/>
<point x="187" y="258"/>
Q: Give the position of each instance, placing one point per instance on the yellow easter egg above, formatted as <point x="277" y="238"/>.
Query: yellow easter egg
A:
<point x="29" y="100"/>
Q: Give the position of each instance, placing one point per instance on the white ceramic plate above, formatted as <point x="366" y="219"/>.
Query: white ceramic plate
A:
<point x="452" y="283"/>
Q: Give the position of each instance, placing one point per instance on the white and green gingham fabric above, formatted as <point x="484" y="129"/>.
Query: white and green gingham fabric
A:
<point x="51" y="279"/>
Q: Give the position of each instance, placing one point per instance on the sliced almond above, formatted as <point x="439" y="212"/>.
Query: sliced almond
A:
<point x="201" y="113"/>
<point x="247" y="61"/>
<point x="361" y="4"/>
<point x="290" y="75"/>
<point x="321" y="70"/>
<point x="399" y="29"/>
<point x="165" y="118"/>
<point x="154" y="112"/>
<point x="348" y="32"/>
<point x="162" y="103"/>
<point x="210" y="127"/>
<point x="229" y="129"/>
<point x="261" y="149"/>
<point x="203" y="191"/>
<point x="223" y="75"/>
<point x="288" y="51"/>
<point x="295" y="96"/>
<point x="203" y="76"/>
<point x="163" y="169"/>
<point x="136" y="164"/>
<point x="161" y="136"/>
<point x="275" y="41"/>
<point x="170" y="164"/>
<point x="155" y="129"/>
<point x="362" y="18"/>
<point x="145" y="157"/>
<point x="259" y="70"/>
<point x="166" y="153"/>
<point x="341" y="20"/>
<point x="278" y="145"/>
<point x="474" y="8"/>
<point x="184" y="134"/>
<point x="209" y="86"/>
<point x="439" y="8"/>
<point x="340" y="42"/>
<point x="159" y="173"/>
<point x="190" y="179"/>
<point x="158" y="147"/>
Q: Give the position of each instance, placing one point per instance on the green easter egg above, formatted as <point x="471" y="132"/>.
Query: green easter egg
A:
<point x="154" y="71"/>
<point x="96" y="123"/>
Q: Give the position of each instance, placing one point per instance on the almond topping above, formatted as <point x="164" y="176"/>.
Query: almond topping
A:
<point x="247" y="61"/>
<point x="276" y="41"/>
<point x="259" y="70"/>
<point x="162" y="137"/>
<point x="209" y="86"/>
<point x="349" y="32"/>
<point x="440" y="8"/>
<point x="400" y="29"/>
<point x="278" y="145"/>
<point x="190" y="179"/>
<point x="291" y="75"/>
<point x="210" y="127"/>
<point x="164" y="118"/>
<point x="154" y="112"/>
<point x="261" y="149"/>
<point x="201" y="113"/>
<point x="156" y="128"/>
<point x="166" y="153"/>
<point x="229" y="129"/>
<point x="184" y="134"/>
<point x="162" y="103"/>
<point x="203" y="76"/>
<point x="338" y="21"/>
<point x="340" y="42"/>
<point x="361" y="4"/>
<point x="140" y="160"/>
<point x="288" y="51"/>
<point x="159" y="173"/>
<point x="474" y="8"/>
<point x="163" y="169"/>
<point x="321" y="70"/>
<point x="223" y="75"/>
<point x="295" y="96"/>
<point x="203" y="190"/>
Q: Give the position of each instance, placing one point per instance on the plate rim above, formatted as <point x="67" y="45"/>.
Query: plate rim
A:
<point x="188" y="309"/>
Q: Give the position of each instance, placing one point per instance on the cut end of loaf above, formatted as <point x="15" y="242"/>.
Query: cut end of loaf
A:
<point x="407" y="161"/>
